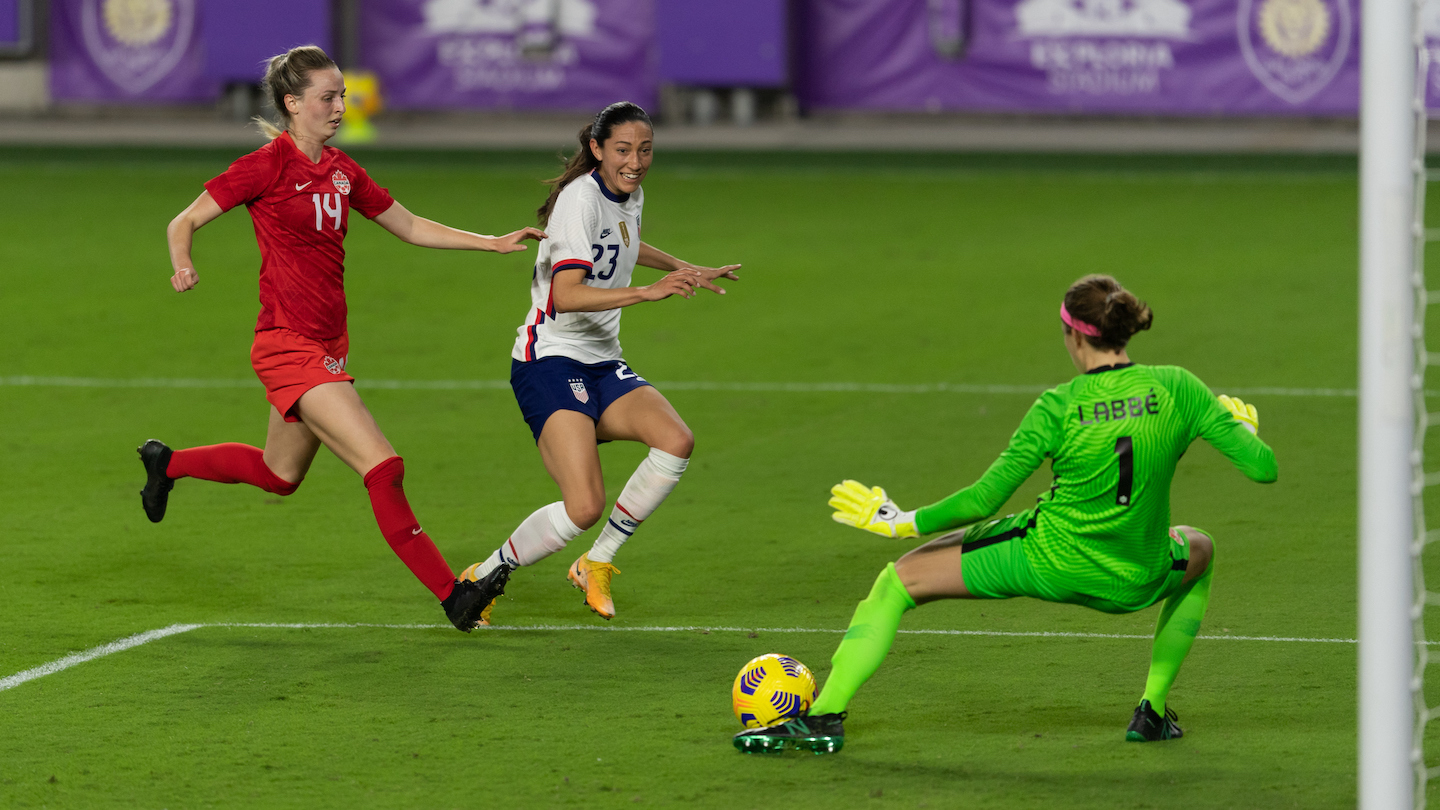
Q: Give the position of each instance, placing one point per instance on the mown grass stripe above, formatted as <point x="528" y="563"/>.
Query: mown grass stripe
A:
<point x="757" y="387"/>
<point x="153" y="635"/>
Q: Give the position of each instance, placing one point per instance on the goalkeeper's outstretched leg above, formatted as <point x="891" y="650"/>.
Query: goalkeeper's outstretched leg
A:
<point x="926" y="574"/>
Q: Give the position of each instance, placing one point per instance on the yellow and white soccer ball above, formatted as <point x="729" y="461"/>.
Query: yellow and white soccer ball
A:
<point x="771" y="688"/>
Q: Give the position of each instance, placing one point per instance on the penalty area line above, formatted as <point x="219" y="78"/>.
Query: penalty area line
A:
<point x="91" y="654"/>
<point x="130" y="642"/>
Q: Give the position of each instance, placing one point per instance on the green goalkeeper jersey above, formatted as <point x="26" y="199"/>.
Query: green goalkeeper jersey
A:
<point x="1113" y="437"/>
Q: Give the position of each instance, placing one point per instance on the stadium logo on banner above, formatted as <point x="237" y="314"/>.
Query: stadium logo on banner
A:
<point x="1294" y="47"/>
<point x="1102" y="47"/>
<point x="509" y="45"/>
<point x="1135" y="18"/>
<point x="136" y="43"/>
<point x="571" y="17"/>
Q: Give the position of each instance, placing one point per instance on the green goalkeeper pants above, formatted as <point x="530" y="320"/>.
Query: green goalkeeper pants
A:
<point x="998" y="567"/>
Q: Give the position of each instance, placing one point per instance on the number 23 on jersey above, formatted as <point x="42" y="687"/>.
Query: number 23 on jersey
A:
<point x="595" y="260"/>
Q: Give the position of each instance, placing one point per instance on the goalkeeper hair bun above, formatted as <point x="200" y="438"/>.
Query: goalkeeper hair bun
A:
<point x="1100" y="301"/>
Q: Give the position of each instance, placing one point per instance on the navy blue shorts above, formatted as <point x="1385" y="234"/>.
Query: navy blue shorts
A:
<point x="552" y="384"/>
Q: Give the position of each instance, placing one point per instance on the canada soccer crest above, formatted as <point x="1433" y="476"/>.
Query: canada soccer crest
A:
<point x="340" y="181"/>
<point x="334" y="366"/>
<point x="578" y="386"/>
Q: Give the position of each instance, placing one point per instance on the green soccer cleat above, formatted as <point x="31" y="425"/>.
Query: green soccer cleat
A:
<point x="818" y="734"/>
<point x="1147" y="726"/>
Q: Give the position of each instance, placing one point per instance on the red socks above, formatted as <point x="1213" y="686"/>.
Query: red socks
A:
<point x="402" y="531"/>
<point x="235" y="463"/>
<point x="231" y="463"/>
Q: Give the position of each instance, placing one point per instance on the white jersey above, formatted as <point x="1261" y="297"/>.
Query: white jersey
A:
<point x="593" y="231"/>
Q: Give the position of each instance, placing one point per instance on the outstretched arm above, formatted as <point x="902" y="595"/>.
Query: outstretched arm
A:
<point x="651" y="256"/>
<point x="181" y="236"/>
<point x="571" y="294"/>
<point x="1036" y="438"/>
<point x="416" y="230"/>
<point x="871" y="508"/>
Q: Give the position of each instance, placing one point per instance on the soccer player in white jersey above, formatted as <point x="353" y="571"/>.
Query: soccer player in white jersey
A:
<point x="567" y="370"/>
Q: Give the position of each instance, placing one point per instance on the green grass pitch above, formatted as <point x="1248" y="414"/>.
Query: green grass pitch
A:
<point x="906" y="270"/>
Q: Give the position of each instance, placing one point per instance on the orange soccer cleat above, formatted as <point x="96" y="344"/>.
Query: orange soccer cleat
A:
<point x="594" y="579"/>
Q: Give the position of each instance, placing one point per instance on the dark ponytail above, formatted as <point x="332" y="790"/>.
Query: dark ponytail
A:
<point x="1101" y="302"/>
<point x="584" y="161"/>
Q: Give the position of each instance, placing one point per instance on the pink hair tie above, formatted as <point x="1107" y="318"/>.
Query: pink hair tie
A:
<point x="1078" y="325"/>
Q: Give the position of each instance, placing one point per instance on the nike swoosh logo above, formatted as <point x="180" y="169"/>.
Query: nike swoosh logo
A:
<point x="416" y="531"/>
<point x="299" y="187"/>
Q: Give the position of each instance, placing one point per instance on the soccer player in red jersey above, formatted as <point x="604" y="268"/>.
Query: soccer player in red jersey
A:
<point x="300" y="193"/>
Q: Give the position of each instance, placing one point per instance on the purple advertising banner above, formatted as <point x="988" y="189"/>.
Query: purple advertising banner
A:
<point x="1430" y="23"/>
<point x="510" y="54"/>
<point x="1186" y="57"/>
<point x="737" y="43"/>
<point x="9" y="23"/>
<point x="239" y="38"/>
<point x="127" y="51"/>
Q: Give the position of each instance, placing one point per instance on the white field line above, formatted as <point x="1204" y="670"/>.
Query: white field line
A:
<point x="91" y="654"/>
<point x="148" y="636"/>
<point x="756" y="387"/>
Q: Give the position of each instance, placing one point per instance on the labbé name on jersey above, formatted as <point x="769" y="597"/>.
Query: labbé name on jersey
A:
<point x="1113" y="410"/>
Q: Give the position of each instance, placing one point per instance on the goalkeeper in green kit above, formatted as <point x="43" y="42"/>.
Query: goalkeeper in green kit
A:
<point x="1099" y="537"/>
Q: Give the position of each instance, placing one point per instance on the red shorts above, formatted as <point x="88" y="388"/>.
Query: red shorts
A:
<point x="289" y="364"/>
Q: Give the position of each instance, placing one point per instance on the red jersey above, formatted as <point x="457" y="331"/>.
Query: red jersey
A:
<point x="301" y="212"/>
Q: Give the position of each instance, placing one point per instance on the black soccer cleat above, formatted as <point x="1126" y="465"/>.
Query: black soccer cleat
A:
<point x="468" y="601"/>
<point x="818" y="734"/>
<point x="156" y="494"/>
<point x="1147" y="726"/>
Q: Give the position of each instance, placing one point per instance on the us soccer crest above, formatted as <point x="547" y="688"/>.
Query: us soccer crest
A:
<point x="1294" y="47"/>
<point x="578" y="386"/>
<point x="340" y="181"/>
<point x="136" y="43"/>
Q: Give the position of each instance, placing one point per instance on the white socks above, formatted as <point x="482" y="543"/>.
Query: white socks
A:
<point x="549" y="528"/>
<point x="653" y="480"/>
<point x="545" y="532"/>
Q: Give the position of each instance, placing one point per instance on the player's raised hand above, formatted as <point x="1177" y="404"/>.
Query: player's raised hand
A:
<point x="511" y="242"/>
<point x="1244" y="413"/>
<point x="709" y="274"/>
<point x="870" y="509"/>
<point x="679" y="282"/>
<point x="184" y="279"/>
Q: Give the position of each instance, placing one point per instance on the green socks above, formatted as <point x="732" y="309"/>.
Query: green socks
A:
<point x="867" y="642"/>
<point x="872" y="630"/>
<point x="1174" y="633"/>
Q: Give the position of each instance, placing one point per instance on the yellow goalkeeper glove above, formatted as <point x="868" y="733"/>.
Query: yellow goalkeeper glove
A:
<point x="870" y="509"/>
<point x="1243" y="413"/>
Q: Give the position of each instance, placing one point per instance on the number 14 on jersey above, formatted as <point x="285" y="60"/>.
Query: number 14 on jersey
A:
<point x="322" y="208"/>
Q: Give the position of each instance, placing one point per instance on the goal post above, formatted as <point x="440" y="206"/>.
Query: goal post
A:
<point x="1388" y="487"/>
